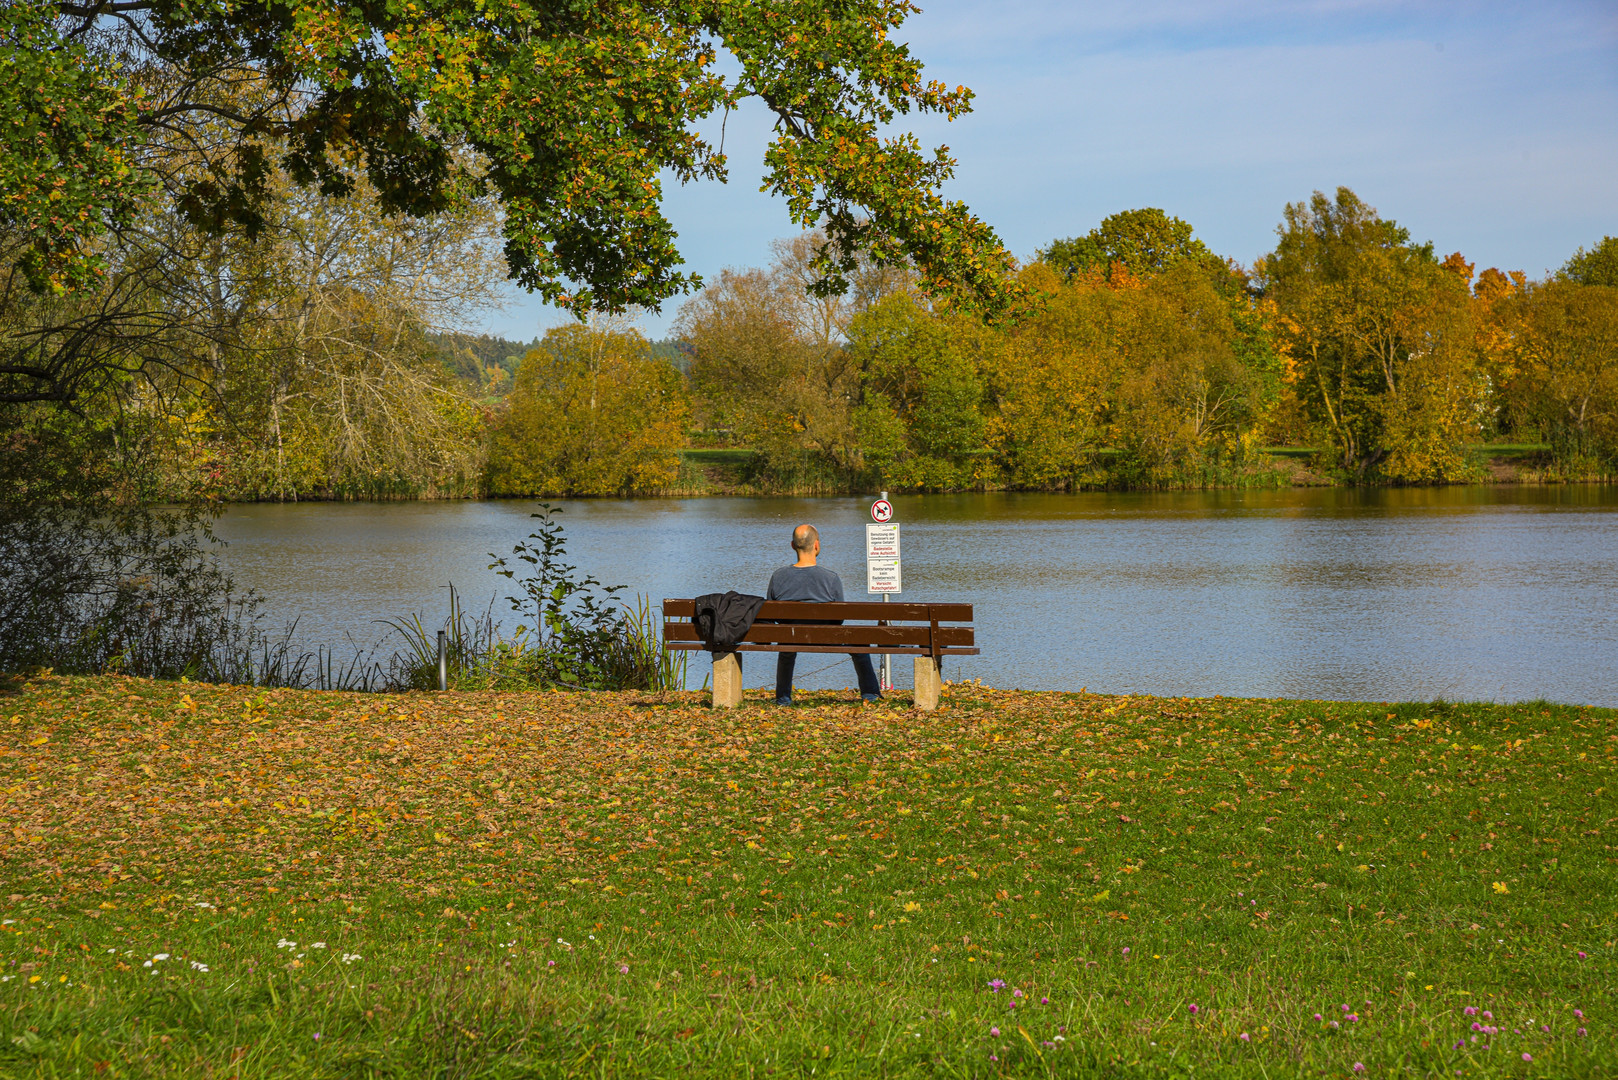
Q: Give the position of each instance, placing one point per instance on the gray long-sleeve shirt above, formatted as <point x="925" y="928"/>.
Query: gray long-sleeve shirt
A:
<point x="813" y="583"/>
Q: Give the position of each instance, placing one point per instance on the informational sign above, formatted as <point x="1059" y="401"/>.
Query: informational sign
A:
<point x="882" y="577"/>
<point x="882" y="541"/>
<point x="882" y="557"/>
<point x="881" y="511"/>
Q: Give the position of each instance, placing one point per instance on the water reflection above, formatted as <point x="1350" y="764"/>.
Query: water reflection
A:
<point x="1475" y="592"/>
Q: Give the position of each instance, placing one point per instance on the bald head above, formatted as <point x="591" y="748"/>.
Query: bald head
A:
<point x="804" y="539"/>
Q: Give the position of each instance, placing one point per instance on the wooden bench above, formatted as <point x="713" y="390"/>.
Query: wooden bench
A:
<point x="927" y="632"/>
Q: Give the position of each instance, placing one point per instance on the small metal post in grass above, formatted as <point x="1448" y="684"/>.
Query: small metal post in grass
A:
<point x="885" y="680"/>
<point x="443" y="660"/>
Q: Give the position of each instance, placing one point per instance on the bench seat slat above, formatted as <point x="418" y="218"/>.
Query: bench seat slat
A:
<point x="746" y="646"/>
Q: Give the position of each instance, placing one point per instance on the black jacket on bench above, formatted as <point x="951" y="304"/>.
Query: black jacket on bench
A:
<point x="723" y="619"/>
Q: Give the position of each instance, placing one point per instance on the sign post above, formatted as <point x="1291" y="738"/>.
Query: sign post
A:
<point x="882" y="565"/>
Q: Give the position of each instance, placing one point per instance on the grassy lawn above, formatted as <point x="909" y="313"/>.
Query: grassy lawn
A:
<point x="720" y="458"/>
<point x="208" y="881"/>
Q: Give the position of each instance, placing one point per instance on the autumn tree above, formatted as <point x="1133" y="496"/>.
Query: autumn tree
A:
<point x="758" y="379"/>
<point x="574" y="116"/>
<point x="770" y="363"/>
<point x="1145" y="241"/>
<point x="591" y="413"/>
<point x="1047" y="388"/>
<point x="1381" y="338"/>
<point x="1189" y="385"/>
<point x="1598" y="266"/>
<point x="1564" y="358"/>
<point x="335" y="387"/>
<point x="920" y="419"/>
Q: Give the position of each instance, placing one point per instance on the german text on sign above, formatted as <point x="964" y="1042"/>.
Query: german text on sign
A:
<point x="882" y="541"/>
<point x="882" y="577"/>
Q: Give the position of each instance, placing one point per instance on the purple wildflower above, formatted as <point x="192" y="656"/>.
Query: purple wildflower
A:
<point x="1244" y="1037"/>
<point x="996" y="985"/>
<point x="1470" y="1010"/>
<point x="1584" y="956"/>
<point x="1359" y="1067"/>
<point x="1334" y="1024"/>
<point x="1317" y="1018"/>
<point x="1487" y="1015"/>
<point x="1126" y="950"/>
<point x="1352" y="1018"/>
<point x="1528" y="1057"/>
<point x="995" y="1032"/>
<point x="1047" y="1001"/>
<point x="1578" y="1014"/>
<point x="1194" y="1010"/>
<point x="1581" y="1033"/>
<point x="623" y="969"/>
<point x="317" y="1036"/>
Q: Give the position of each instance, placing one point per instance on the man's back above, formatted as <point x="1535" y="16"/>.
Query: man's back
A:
<point x="812" y="583"/>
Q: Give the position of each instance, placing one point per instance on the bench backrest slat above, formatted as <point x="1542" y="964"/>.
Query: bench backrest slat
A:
<point x="848" y="609"/>
<point x="923" y="637"/>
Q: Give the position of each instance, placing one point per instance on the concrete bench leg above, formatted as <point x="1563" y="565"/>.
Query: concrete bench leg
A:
<point x="727" y="680"/>
<point x="929" y="677"/>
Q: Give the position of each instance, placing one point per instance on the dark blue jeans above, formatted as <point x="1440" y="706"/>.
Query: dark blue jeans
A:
<point x="864" y="670"/>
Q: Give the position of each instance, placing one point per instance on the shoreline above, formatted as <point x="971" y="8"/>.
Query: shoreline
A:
<point x="1282" y="471"/>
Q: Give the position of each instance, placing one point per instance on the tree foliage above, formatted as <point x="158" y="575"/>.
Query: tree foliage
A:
<point x="920" y="420"/>
<point x="1162" y="377"/>
<point x="591" y="414"/>
<point x="1382" y="340"/>
<point x="1145" y="241"/>
<point x="770" y="366"/>
<point x="1563" y="375"/>
<point x="1598" y="266"/>
<point x="335" y="387"/>
<point x="573" y="115"/>
<point x="67" y="174"/>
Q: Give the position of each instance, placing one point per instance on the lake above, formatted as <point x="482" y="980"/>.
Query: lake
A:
<point x="1497" y="593"/>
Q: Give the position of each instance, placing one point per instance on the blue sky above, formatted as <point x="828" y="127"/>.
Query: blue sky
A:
<point x="1489" y="128"/>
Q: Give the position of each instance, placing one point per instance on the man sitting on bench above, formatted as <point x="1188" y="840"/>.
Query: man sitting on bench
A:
<point x="803" y="580"/>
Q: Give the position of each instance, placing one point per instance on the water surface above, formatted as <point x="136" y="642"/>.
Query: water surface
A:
<point x="1500" y="593"/>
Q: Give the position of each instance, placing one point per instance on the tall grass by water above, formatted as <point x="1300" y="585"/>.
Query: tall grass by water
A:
<point x="147" y="596"/>
<point x="216" y="881"/>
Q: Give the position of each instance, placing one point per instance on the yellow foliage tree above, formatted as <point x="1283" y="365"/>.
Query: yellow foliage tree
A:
<point x="1383" y="337"/>
<point x="1048" y="380"/>
<point x="1564" y="359"/>
<point x="590" y="413"/>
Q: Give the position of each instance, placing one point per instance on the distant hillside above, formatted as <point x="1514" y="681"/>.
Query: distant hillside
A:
<point x="481" y="360"/>
<point x="489" y="363"/>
